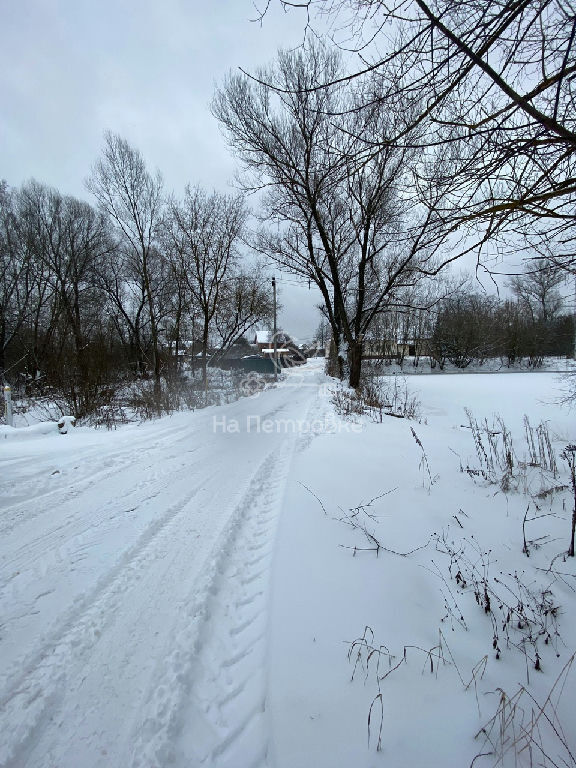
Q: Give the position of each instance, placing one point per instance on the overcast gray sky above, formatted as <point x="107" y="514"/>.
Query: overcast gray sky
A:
<point x="146" y="69"/>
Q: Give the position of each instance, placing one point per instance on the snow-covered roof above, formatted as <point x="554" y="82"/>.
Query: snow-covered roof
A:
<point x="262" y="337"/>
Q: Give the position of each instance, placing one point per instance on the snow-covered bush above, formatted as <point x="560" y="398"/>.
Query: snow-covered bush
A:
<point x="501" y="463"/>
<point x="377" y="397"/>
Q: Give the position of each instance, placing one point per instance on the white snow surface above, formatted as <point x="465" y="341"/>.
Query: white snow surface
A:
<point x="184" y="593"/>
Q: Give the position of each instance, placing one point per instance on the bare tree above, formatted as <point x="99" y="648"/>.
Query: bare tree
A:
<point x="15" y="284"/>
<point x="537" y="289"/>
<point x="340" y="216"/>
<point x="244" y="302"/>
<point x="132" y="197"/>
<point x="202" y="235"/>
<point x="125" y="304"/>
<point x="66" y="239"/>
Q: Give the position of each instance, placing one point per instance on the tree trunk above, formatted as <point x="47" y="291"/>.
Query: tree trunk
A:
<point x="2" y="351"/>
<point x="335" y="362"/>
<point x="153" y="331"/>
<point x="86" y="386"/>
<point x="205" y="337"/>
<point x="156" y="364"/>
<point x="355" y="363"/>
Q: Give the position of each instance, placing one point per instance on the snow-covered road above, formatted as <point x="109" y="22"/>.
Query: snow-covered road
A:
<point x="134" y="579"/>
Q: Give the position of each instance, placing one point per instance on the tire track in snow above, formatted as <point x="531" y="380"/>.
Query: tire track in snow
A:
<point x="225" y="723"/>
<point x="33" y="691"/>
<point x="36" y="503"/>
<point x="60" y="539"/>
<point x="65" y="548"/>
<point x="209" y="708"/>
<point x="68" y="536"/>
<point x="43" y="698"/>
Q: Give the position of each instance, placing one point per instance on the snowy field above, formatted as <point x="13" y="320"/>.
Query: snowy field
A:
<point x="200" y="590"/>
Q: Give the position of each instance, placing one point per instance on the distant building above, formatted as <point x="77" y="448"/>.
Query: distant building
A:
<point x="261" y="340"/>
<point x="386" y="349"/>
<point x="382" y="349"/>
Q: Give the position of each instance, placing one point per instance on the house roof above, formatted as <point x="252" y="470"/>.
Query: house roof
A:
<point x="262" y="337"/>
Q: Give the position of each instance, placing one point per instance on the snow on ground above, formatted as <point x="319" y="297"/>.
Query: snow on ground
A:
<point x="325" y="597"/>
<point x="490" y="365"/>
<point x="183" y="593"/>
<point x="126" y="558"/>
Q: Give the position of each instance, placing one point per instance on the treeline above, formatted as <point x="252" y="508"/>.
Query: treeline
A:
<point x="95" y="297"/>
<point x="464" y="327"/>
<point x="475" y="328"/>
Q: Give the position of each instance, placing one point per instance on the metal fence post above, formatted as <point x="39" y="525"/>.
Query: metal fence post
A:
<point x="8" y="405"/>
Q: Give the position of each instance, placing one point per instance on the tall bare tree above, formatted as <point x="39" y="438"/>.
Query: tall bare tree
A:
<point x="66" y="239"/>
<point x="202" y="234"/>
<point x="341" y="220"/>
<point x="132" y="197"/>
<point x="15" y="283"/>
<point x="537" y="289"/>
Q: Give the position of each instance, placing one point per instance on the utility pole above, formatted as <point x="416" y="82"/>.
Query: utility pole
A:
<point x="275" y="331"/>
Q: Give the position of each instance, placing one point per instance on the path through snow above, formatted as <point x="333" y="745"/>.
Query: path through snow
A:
<point x="134" y="585"/>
